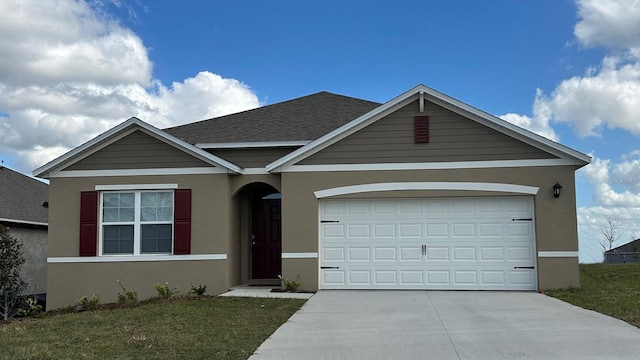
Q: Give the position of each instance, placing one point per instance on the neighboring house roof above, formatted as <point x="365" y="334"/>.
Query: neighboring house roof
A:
<point x="22" y="198"/>
<point x="121" y="130"/>
<point x="426" y="93"/>
<point x="303" y="119"/>
<point x="630" y="247"/>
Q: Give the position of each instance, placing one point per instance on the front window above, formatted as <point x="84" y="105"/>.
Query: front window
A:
<point x="137" y="222"/>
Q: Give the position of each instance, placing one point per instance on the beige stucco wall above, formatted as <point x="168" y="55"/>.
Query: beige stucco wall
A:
<point x="556" y="224"/>
<point x="69" y="282"/>
<point x="210" y="234"/>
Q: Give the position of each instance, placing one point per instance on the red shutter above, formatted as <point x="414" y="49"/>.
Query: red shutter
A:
<point x="88" y="223"/>
<point x="182" y="222"/>
<point x="421" y="129"/>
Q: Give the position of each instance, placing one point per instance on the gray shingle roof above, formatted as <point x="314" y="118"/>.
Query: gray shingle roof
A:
<point x="305" y="118"/>
<point x="21" y="197"/>
<point x="633" y="246"/>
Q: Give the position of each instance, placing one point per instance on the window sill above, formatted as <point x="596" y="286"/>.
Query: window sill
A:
<point x="135" y="258"/>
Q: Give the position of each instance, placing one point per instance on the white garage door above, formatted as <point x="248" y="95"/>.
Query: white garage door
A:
<point x="435" y="243"/>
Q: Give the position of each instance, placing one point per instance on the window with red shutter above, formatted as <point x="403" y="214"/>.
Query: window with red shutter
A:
<point x="88" y="223"/>
<point x="182" y="222"/>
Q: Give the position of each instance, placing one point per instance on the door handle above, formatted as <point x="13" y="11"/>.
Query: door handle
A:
<point x="524" y="267"/>
<point x="329" y="267"/>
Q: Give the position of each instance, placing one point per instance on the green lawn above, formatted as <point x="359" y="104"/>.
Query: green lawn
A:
<point x="609" y="289"/>
<point x="207" y="328"/>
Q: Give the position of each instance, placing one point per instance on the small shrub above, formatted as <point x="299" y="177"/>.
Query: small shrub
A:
<point x="197" y="291"/>
<point x="164" y="291"/>
<point x="291" y="285"/>
<point x="85" y="303"/>
<point x="126" y="296"/>
<point x="31" y="308"/>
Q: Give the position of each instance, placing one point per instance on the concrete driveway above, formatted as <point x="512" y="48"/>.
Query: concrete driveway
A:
<point x="447" y="325"/>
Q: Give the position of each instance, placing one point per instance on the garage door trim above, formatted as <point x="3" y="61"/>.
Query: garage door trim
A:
<point x="395" y="186"/>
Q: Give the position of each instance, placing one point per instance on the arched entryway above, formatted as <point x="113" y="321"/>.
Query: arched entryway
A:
<point x="260" y="230"/>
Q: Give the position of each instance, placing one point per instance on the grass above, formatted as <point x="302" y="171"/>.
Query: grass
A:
<point x="609" y="289"/>
<point x="206" y="328"/>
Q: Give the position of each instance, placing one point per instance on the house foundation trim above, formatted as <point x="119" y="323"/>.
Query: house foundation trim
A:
<point x="128" y="258"/>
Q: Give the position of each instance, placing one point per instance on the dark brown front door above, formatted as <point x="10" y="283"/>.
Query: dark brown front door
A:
<point x="266" y="235"/>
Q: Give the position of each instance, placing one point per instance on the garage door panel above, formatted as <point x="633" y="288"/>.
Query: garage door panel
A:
<point x="410" y="230"/>
<point x="385" y="254"/>
<point x="358" y="230"/>
<point x="464" y="254"/>
<point x="384" y="231"/>
<point x="444" y="243"/>
<point x="437" y="230"/>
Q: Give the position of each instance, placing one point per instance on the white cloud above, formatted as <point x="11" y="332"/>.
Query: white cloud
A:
<point x="608" y="23"/>
<point x="69" y="72"/>
<point x="611" y="198"/>
<point x="607" y="97"/>
<point x="539" y="123"/>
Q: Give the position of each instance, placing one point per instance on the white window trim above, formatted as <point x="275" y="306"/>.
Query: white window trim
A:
<point x="134" y="187"/>
<point x="132" y="258"/>
<point x="137" y="230"/>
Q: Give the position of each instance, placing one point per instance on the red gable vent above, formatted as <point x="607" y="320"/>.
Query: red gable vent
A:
<point x="421" y="129"/>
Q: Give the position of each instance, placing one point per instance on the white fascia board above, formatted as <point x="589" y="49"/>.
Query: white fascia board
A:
<point x="251" y="145"/>
<point x="125" y="128"/>
<point x="429" y="166"/>
<point x="444" y="101"/>
<point x="137" y="172"/>
<point x="15" y="221"/>
<point x="343" y="131"/>
<point x="398" y="186"/>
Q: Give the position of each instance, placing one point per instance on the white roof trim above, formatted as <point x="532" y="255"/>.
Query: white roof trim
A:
<point x="396" y="186"/>
<point x="71" y="156"/>
<point x="440" y="99"/>
<point x="24" y="222"/>
<point x="445" y="165"/>
<point x="245" y="145"/>
<point x="137" y="172"/>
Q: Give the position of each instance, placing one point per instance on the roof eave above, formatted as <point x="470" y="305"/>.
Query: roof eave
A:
<point x="67" y="158"/>
<point x="443" y="100"/>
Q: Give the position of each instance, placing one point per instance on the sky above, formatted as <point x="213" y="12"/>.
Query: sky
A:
<point x="565" y="69"/>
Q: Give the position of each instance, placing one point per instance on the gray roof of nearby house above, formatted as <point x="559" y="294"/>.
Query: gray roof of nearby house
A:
<point x="22" y="198"/>
<point x="301" y="119"/>
<point x="633" y="246"/>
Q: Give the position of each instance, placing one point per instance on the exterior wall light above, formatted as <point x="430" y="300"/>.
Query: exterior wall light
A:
<point x="556" y="190"/>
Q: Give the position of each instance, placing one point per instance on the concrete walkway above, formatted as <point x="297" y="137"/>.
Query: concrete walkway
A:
<point x="447" y="325"/>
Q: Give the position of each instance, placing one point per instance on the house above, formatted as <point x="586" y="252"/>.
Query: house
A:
<point x="421" y="192"/>
<point x="623" y="254"/>
<point x="24" y="210"/>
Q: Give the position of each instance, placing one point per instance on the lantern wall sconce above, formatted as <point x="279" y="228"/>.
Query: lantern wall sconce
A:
<point x="556" y="190"/>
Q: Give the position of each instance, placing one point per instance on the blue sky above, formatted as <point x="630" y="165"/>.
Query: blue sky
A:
<point x="569" y="70"/>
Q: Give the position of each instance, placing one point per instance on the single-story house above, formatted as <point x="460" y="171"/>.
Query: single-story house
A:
<point x="623" y="254"/>
<point x="24" y="210"/>
<point x="421" y="192"/>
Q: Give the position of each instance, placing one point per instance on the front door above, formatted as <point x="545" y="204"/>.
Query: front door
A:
<point x="266" y="250"/>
